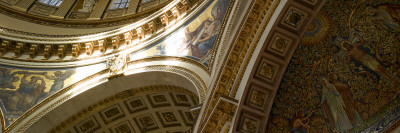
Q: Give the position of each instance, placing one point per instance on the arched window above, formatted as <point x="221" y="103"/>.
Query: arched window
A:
<point x="51" y="2"/>
<point x="119" y="4"/>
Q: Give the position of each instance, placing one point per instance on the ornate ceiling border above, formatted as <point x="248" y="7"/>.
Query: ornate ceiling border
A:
<point x="270" y="65"/>
<point x="243" y="39"/>
<point x="170" y="58"/>
<point x="100" y="77"/>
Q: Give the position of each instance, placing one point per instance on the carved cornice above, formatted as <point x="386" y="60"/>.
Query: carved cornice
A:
<point x="269" y="67"/>
<point x="70" y="49"/>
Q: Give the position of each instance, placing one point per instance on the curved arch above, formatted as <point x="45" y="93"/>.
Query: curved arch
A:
<point x="95" y="89"/>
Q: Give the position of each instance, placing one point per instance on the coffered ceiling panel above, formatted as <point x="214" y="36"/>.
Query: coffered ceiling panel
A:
<point x="152" y="111"/>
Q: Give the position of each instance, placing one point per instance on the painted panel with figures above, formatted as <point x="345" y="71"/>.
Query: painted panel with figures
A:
<point x="22" y="88"/>
<point x="196" y="39"/>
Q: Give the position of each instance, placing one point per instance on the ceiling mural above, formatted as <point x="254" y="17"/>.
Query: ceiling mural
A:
<point x="196" y="39"/>
<point x="345" y="74"/>
<point x="22" y="88"/>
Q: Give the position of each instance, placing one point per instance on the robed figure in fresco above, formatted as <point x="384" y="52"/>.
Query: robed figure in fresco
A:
<point x="344" y="90"/>
<point x="201" y="40"/>
<point x="355" y="52"/>
<point x="300" y="123"/>
<point x="59" y="78"/>
<point x="336" y="106"/>
<point x="7" y="78"/>
<point x="28" y="93"/>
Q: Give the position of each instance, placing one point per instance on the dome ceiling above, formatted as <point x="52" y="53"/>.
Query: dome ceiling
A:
<point x="36" y="68"/>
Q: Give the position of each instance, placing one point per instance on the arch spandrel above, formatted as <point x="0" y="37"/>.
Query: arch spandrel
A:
<point x="23" y="88"/>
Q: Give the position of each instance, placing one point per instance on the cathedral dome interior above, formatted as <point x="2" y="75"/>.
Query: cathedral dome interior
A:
<point x="204" y="66"/>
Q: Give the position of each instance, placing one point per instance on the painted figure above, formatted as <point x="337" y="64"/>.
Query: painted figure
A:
<point x="7" y="78"/>
<point x="344" y="91"/>
<point x="203" y="38"/>
<point x="386" y="16"/>
<point x="59" y="79"/>
<point x="336" y="106"/>
<point x="28" y="93"/>
<point x="298" y="123"/>
<point x="354" y="51"/>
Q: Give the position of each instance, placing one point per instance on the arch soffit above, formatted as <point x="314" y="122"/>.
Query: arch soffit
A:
<point x="99" y="89"/>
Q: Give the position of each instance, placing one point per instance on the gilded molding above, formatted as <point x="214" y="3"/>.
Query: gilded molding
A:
<point x="227" y="32"/>
<point x="254" y="18"/>
<point x="253" y="48"/>
<point x="198" y="80"/>
<point x="174" y="58"/>
<point x="222" y="114"/>
<point x="217" y="42"/>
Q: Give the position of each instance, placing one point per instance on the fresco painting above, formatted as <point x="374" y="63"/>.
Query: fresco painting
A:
<point x="195" y="40"/>
<point x="21" y="88"/>
<point x="345" y="75"/>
